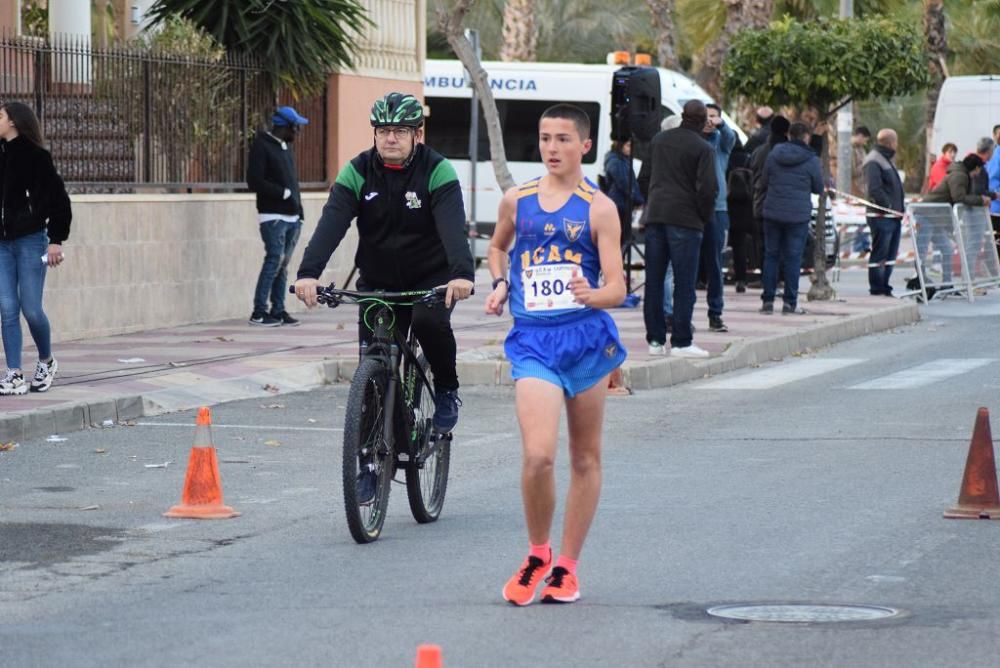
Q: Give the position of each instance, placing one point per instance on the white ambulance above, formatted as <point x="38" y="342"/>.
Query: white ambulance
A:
<point x="967" y="110"/>
<point x="523" y="91"/>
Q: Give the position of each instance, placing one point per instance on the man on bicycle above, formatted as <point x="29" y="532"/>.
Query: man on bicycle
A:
<point x="411" y="236"/>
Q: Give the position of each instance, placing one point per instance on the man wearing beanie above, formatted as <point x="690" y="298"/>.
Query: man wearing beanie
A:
<point x="271" y="174"/>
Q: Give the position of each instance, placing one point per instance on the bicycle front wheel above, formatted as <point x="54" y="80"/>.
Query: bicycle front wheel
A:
<point x="427" y="472"/>
<point x="367" y="458"/>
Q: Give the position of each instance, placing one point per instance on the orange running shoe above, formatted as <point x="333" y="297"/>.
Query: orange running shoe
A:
<point x="561" y="587"/>
<point x="520" y="589"/>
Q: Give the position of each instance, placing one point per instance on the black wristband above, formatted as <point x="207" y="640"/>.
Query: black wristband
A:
<point x="498" y="281"/>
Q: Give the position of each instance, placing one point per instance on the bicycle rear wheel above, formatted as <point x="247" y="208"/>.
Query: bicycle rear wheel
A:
<point x="366" y="452"/>
<point x="427" y="472"/>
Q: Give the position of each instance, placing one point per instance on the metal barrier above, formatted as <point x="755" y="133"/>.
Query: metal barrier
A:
<point x="955" y="249"/>
<point x="933" y="229"/>
<point x="978" y="249"/>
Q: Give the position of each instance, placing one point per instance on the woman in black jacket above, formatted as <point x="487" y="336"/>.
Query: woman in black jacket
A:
<point x="34" y="221"/>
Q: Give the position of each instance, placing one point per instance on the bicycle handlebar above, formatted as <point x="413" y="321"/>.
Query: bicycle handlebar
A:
<point x="333" y="296"/>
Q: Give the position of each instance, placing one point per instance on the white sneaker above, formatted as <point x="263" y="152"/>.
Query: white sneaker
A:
<point x="45" y="373"/>
<point x="13" y="383"/>
<point x="657" y="349"/>
<point x="691" y="351"/>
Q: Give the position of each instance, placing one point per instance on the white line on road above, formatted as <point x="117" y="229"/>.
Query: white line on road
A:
<point x="923" y="374"/>
<point x="780" y="374"/>
<point x="239" y="426"/>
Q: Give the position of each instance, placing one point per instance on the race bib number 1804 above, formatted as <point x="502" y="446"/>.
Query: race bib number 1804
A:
<point x="546" y="287"/>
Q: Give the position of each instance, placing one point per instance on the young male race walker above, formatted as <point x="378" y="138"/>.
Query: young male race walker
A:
<point x="562" y="347"/>
<point x="411" y="236"/>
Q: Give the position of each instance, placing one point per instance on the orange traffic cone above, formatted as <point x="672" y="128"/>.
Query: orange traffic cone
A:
<point x="978" y="498"/>
<point x="202" y="495"/>
<point x="616" y="384"/>
<point x="429" y="656"/>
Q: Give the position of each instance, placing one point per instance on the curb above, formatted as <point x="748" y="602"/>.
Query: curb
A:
<point x="648" y="375"/>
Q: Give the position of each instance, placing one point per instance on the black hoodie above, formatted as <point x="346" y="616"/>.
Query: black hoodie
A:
<point x="32" y="196"/>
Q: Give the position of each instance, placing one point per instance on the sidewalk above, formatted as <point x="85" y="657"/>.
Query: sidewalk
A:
<point x="115" y="379"/>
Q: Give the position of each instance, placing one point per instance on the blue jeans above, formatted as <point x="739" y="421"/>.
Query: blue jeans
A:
<point x="678" y="246"/>
<point x="885" y="248"/>
<point x="712" y="244"/>
<point x="279" y="238"/>
<point x="668" y="291"/>
<point x="22" y="279"/>
<point x="786" y="241"/>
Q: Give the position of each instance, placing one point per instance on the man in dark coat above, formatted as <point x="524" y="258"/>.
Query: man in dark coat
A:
<point x="886" y="190"/>
<point x="681" y="203"/>
<point x="791" y="176"/>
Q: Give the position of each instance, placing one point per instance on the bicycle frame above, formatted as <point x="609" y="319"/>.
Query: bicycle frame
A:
<point x="388" y="346"/>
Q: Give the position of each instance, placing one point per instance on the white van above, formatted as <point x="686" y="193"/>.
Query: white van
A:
<point x="523" y="91"/>
<point x="967" y="110"/>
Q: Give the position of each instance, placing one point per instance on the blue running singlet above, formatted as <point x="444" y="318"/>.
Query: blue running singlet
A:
<point x="555" y="339"/>
<point x="549" y="249"/>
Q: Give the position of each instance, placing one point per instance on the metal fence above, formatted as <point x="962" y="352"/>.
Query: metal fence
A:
<point x="119" y="118"/>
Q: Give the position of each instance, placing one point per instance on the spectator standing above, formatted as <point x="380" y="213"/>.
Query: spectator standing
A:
<point x="681" y="203"/>
<point x="743" y="233"/>
<point x="859" y="148"/>
<point x="778" y="135"/>
<point x="993" y="176"/>
<point x="36" y="213"/>
<point x="765" y="115"/>
<point x="939" y="170"/>
<point x="885" y="189"/>
<point x="271" y="174"/>
<point x="791" y="176"/>
<point x="620" y="180"/>
<point x="722" y="140"/>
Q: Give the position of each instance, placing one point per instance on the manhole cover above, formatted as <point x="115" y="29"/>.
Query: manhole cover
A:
<point x="803" y="613"/>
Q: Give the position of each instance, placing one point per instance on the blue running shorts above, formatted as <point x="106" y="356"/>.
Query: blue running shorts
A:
<point x="572" y="352"/>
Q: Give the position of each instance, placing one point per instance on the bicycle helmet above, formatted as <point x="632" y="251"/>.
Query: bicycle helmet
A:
<point x="400" y="109"/>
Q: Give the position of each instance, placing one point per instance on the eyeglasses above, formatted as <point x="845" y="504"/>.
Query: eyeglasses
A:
<point x="398" y="133"/>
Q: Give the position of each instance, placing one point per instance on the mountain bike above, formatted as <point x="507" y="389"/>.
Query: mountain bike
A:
<point x="388" y="423"/>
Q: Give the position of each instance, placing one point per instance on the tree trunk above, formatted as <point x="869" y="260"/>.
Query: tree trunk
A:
<point x="821" y="290"/>
<point x="661" y="13"/>
<point x="451" y="25"/>
<point x="520" y="35"/>
<point x="937" y="49"/>
<point x="740" y="15"/>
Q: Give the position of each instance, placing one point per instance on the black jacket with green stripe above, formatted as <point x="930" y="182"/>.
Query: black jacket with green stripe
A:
<point x="411" y="223"/>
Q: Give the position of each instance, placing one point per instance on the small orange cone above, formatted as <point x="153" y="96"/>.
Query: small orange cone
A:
<point x="429" y="656"/>
<point x="979" y="498"/>
<point x="616" y="384"/>
<point x="202" y="495"/>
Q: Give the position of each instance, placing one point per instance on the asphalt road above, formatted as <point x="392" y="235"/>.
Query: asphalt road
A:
<point x="820" y="479"/>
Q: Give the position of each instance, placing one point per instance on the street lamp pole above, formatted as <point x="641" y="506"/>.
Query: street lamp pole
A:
<point x="845" y="123"/>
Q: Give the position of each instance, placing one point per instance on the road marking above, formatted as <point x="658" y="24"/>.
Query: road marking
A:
<point x="780" y="374"/>
<point x="241" y="426"/>
<point x="923" y="374"/>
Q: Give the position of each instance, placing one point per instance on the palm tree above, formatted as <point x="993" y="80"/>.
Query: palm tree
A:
<point x="520" y="34"/>
<point x="937" y="50"/>
<point x="740" y="15"/>
<point x="662" y="13"/>
<point x="572" y="31"/>
<point x="297" y="43"/>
